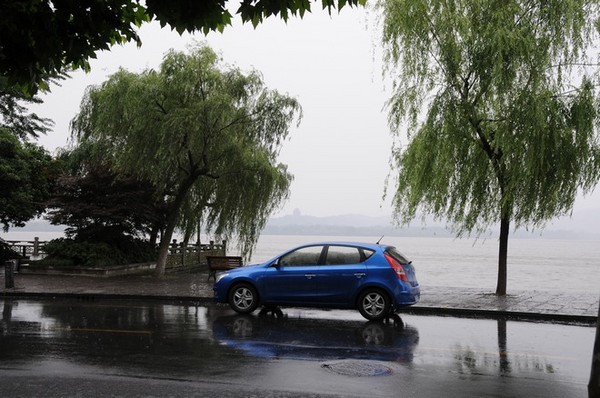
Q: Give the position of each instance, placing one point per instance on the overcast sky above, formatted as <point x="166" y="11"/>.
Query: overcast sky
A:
<point x="340" y="153"/>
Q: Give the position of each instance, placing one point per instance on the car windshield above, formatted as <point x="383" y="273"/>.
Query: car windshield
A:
<point x="396" y="255"/>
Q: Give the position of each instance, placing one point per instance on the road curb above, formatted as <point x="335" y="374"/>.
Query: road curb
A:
<point x="415" y="310"/>
<point x="106" y="296"/>
<point x="493" y="314"/>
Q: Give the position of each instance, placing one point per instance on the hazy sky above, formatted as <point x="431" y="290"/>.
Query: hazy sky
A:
<point x="340" y="153"/>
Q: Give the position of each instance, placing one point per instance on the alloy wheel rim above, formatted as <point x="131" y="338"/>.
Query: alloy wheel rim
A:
<point x="373" y="304"/>
<point x="243" y="298"/>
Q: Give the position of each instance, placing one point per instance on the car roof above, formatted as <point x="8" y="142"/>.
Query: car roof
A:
<point x="372" y="246"/>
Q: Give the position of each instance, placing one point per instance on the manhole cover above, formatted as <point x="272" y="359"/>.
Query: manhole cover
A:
<point x="358" y="368"/>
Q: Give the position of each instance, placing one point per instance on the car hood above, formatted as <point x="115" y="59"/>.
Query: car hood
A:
<point x="244" y="268"/>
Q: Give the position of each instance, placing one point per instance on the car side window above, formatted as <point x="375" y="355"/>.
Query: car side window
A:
<point x="340" y="255"/>
<point x="368" y="253"/>
<point x="304" y="256"/>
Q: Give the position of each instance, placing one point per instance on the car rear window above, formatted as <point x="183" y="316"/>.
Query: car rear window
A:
<point x="338" y="255"/>
<point x="397" y="255"/>
<point x="342" y="255"/>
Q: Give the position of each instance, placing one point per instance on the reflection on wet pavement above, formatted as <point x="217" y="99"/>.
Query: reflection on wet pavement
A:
<point x="181" y="341"/>
<point x="277" y="336"/>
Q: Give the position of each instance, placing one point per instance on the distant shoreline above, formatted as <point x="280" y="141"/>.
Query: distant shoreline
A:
<point x="359" y="225"/>
<point x="25" y="234"/>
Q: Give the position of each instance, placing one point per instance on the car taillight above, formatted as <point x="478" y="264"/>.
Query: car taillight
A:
<point x="397" y="267"/>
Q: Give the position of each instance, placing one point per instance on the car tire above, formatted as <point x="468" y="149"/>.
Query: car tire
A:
<point x="374" y="304"/>
<point x="243" y="298"/>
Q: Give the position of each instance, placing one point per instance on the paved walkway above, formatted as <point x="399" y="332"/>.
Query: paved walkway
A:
<point x="434" y="299"/>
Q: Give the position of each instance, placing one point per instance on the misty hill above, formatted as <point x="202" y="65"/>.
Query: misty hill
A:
<point x="582" y="225"/>
<point x="355" y="220"/>
<point x="347" y="225"/>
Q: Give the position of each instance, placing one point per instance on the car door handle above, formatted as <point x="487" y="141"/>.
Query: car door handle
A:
<point x="359" y="274"/>
<point x="309" y="276"/>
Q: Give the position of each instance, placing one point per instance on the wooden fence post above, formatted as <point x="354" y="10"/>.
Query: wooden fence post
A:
<point x="9" y="278"/>
<point x="36" y="246"/>
<point x="199" y="247"/>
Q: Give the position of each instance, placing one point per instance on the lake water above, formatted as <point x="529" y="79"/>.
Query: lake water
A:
<point x="537" y="264"/>
<point x="533" y="264"/>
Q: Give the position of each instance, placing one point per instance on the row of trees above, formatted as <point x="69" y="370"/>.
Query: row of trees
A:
<point x="211" y="161"/>
<point x="194" y="142"/>
<point x="219" y="168"/>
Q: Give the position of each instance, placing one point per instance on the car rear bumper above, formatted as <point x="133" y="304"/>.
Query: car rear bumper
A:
<point x="407" y="295"/>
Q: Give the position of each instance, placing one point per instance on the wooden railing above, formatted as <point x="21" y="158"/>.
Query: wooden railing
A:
<point x="180" y="248"/>
<point x="179" y="254"/>
<point x="26" y="248"/>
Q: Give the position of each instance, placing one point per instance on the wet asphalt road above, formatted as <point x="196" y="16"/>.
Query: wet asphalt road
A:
<point x="134" y="348"/>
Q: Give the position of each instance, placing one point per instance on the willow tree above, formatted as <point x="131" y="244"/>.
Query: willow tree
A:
<point x="206" y="135"/>
<point x="499" y="110"/>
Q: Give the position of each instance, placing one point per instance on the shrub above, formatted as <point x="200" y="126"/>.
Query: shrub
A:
<point x="5" y="253"/>
<point x="74" y="252"/>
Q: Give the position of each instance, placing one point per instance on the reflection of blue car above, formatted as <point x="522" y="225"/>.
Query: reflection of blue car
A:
<point x="374" y="278"/>
<point x="318" y="339"/>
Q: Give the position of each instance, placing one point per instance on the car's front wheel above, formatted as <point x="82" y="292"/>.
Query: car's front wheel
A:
<point x="374" y="305"/>
<point x="243" y="298"/>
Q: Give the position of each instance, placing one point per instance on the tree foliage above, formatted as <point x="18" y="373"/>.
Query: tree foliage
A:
<point x="27" y="174"/>
<point x="205" y="135"/>
<point x="42" y="37"/>
<point x="97" y="204"/>
<point x="14" y="115"/>
<point x="510" y="128"/>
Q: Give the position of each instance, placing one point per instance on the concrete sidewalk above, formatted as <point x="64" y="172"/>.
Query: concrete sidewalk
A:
<point x="538" y="305"/>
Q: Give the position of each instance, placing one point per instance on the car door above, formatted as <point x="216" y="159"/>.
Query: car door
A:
<point x="292" y="277"/>
<point x="340" y="275"/>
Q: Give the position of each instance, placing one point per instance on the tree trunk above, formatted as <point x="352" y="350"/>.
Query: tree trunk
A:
<point x="154" y="235"/>
<point x="502" y="256"/>
<point x="163" y="248"/>
<point x="172" y="215"/>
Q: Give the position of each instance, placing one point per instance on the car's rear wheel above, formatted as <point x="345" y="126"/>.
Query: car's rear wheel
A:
<point x="243" y="298"/>
<point x="374" y="304"/>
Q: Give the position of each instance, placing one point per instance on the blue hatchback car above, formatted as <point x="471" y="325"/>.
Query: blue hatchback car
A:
<point x="375" y="279"/>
